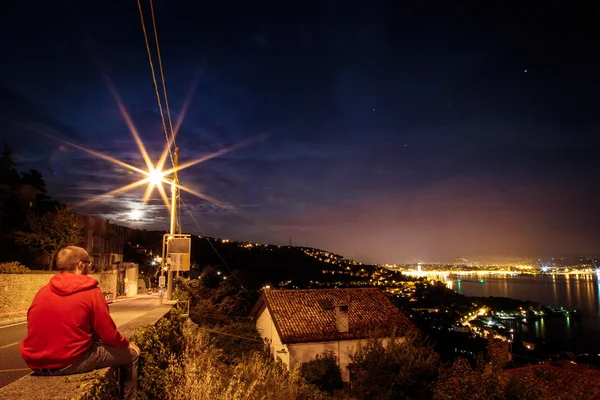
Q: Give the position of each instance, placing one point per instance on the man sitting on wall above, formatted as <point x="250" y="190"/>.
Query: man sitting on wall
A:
<point x="66" y="319"/>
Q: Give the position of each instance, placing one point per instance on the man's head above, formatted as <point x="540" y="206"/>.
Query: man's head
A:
<point x="73" y="259"/>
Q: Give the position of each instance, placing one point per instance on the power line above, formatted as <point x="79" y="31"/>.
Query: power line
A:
<point x="228" y="334"/>
<point x="220" y="316"/>
<point x="162" y="75"/>
<point x="235" y="336"/>
<point x="162" y="117"/>
<point x="216" y="252"/>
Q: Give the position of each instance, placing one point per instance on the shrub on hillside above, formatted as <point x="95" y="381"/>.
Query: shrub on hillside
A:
<point x="405" y="368"/>
<point x="13" y="267"/>
<point x="484" y="381"/>
<point x="204" y="312"/>
<point x="323" y="372"/>
<point x="159" y="344"/>
<point x="487" y="380"/>
<point x="238" y="340"/>
<point x="200" y="375"/>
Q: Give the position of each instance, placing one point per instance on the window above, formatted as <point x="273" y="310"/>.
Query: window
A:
<point x="326" y="304"/>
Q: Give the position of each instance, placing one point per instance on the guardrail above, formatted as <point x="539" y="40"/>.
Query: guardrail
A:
<point x="184" y="305"/>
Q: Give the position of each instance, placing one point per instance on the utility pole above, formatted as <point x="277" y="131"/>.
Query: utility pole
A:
<point x="173" y="230"/>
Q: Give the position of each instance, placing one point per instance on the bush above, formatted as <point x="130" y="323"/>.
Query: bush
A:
<point x="200" y="375"/>
<point x="237" y="340"/>
<point x="204" y="312"/>
<point x="13" y="267"/>
<point x="402" y="369"/>
<point x="159" y="344"/>
<point x="181" y="295"/>
<point x="526" y="385"/>
<point x="486" y="381"/>
<point x="323" y="372"/>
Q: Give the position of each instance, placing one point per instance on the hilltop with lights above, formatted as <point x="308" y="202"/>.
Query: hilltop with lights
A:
<point x="305" y="267"/>
<point x="548" y="266"/>
<point x="287" y="266"/>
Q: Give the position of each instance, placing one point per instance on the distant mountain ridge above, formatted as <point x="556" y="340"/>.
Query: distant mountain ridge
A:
<point x="281" y="266"/>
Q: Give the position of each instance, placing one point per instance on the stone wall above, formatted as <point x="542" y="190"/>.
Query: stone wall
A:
<point x="17" y="290"/>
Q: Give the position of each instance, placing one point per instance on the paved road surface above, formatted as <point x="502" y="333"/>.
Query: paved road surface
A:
<point x="12" y="366"/>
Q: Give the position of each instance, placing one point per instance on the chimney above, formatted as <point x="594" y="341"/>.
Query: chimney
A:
<point x="341" y="319"/>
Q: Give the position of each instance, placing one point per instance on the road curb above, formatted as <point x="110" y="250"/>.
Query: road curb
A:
<point x="13" y="322"/>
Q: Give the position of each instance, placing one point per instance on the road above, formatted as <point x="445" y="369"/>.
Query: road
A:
<point x="12" y="366"/>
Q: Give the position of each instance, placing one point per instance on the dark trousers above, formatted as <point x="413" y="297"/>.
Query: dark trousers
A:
<point x="102" y="356"/>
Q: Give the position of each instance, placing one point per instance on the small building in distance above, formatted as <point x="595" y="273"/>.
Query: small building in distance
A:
<point x="103" y="241"/>
<point x="296" y="325"/>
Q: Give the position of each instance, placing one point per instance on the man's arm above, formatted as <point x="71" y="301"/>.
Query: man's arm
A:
<point x="103" y="324"/>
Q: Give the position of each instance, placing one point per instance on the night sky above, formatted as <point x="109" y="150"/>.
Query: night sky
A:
<point x="391" y="133"/>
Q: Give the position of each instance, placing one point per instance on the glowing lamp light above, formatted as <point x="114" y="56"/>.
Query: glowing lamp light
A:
<point x="155" y="177"/>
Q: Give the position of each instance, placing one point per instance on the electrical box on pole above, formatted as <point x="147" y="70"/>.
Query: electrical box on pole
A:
<point x="178" y="248"/>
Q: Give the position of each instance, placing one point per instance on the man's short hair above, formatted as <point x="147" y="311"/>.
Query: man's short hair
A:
<point x="68" y="258"/>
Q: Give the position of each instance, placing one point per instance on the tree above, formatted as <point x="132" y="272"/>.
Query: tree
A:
<point x="400" y="369"/>
<point x="236" y="339"/>
<point x="52" y="231"/>
<point x="486" y="381"/>
<point x="210" y="277"/>
<point x="323" y="372"/>
<point x="34" y="178"/>
<point x="233" y="299"/>
<point x="9" y="175"/>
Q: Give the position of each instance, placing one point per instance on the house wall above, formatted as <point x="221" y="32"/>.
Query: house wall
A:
<point x="131" y="280"/>
<point x="266" y="329"/>
<point x="304" y="352"/>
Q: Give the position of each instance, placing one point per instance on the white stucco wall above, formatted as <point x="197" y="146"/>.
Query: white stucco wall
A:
<point x="304" y="352"/>
<point x="131" y="280"/>
<point x="266" y="329"/>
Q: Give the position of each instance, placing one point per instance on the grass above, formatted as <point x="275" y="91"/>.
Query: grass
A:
<point x="199" y="374"/>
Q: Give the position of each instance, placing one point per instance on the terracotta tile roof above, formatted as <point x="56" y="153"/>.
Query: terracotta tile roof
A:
<point x="300" y="318"/>
<point x="564" y="376"/>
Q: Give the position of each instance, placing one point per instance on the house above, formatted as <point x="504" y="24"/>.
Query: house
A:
<point x="299" y="324"/>
<point x="25" y="196"/>
<point x="103" y="241"/>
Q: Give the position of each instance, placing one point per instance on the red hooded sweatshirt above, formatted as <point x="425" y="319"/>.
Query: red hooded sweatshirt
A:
<point x="61" y="319"/>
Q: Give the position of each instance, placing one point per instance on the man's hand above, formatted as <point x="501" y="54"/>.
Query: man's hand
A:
<point x="133" y="347"/>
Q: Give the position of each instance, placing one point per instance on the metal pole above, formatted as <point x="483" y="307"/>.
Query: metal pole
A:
<point x="161" y="288"/>
<point x="173" y="218"/>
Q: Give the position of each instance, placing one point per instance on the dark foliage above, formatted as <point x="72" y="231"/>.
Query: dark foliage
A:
<point x="275" y="264"/>
<point x="237" y="340"/>
<point x="158" y="345"/>
<point x="403" y="368"/>
<point x="323" y="372"/>
<point x="9" y="175"/>
<point x="210" y="277"/>
<point x="34" y="178"/>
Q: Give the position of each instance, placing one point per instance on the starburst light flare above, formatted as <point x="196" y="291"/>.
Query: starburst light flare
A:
<point x="154" y="175"/>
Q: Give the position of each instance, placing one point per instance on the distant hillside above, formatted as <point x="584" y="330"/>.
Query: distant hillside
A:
<point x="284" y="266"/>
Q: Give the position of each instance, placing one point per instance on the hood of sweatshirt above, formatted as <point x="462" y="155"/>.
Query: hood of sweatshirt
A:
<point x="65" y="284"/>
